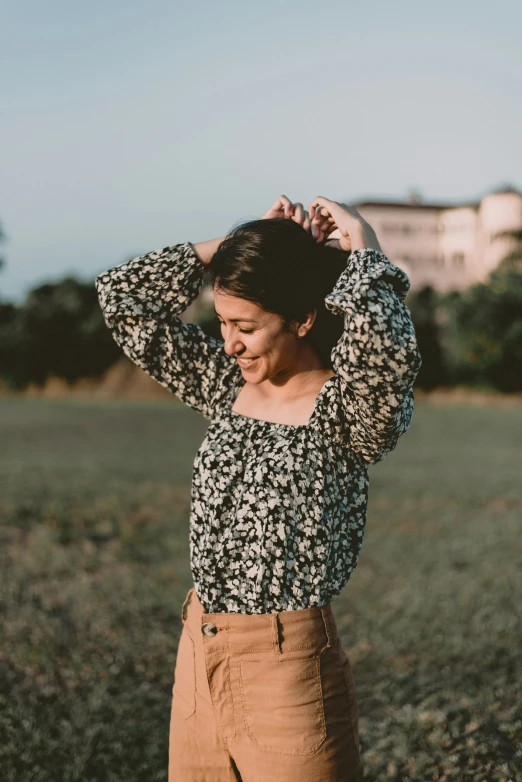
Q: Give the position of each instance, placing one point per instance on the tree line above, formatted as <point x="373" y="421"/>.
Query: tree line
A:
<point x="471" y="337"/>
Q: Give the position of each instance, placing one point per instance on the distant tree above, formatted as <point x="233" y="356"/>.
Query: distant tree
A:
<point x="12" y="344"/>
<point x="513" y="260"/>
<point x="423" y="307"/>
<point x="58" y="330"/>
<point x="484" y="329"/>
<point x="8" y="314"/>
<point x="2" y="240"/>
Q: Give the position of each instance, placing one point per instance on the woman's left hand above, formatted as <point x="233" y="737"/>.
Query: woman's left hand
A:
<point x="351" y="229"/>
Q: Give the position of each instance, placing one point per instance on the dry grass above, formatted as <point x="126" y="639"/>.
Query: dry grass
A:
<point x="94" y="566"/>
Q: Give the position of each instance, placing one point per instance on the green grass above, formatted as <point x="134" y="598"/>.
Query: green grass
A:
<point x="94" y="566"/>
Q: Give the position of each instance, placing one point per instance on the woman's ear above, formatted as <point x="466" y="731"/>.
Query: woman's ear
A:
<point x="306" y="325"/>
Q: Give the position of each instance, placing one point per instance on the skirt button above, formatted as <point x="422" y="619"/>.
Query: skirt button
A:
<point x="208" y="628"/>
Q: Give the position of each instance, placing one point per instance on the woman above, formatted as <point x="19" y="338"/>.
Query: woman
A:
<point x="300" y="403"/>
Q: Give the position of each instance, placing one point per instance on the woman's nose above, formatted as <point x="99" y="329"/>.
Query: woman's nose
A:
<point x="233" y="346"/>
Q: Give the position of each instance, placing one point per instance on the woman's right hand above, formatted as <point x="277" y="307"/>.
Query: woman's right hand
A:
<point x="284" y="208"/>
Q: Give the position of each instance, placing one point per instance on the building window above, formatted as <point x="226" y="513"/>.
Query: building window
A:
<point x="458" y="259"/>
<point x="394" y="228"/>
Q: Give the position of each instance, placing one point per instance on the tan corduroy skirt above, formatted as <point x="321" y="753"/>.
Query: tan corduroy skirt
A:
<point x="262" y="698"/>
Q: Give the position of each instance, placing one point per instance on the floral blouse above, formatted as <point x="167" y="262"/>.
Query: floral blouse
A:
<point x="277" y="510"/>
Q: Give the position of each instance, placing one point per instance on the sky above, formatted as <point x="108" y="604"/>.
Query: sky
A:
<point x="128" y="126"/>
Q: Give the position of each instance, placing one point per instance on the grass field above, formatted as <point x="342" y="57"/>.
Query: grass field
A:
<point x="94" y="566"/>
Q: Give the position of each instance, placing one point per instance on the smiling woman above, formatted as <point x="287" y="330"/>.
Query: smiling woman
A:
<point x="321" y="345"/>
<point x="281" y="342"/>
<point x="277" y="300"/>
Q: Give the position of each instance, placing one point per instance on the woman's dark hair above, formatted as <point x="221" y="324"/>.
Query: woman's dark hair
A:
<point x="279" y="266"/>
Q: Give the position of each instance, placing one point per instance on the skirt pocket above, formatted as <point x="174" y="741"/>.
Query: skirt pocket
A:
<point x="283" y="705"/>
<point x="184" y="688"/>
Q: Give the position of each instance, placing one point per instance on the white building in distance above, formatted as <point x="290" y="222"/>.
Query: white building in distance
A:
<point x="448" y="246"/>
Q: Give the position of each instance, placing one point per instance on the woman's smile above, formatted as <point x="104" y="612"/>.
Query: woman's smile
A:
<point x="246" y="363"/>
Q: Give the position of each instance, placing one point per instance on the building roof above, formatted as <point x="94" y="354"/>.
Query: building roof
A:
<point x="408" y="204"/>
<point x="506" y="189"/>
<point x="414" y="201"/>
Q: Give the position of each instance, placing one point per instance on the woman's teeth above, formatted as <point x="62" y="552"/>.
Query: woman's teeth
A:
<point x="245" y="362"/>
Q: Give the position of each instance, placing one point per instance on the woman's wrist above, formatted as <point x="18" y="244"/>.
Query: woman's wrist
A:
<point x="205" y="250"/>
<point x="364" y="238"/>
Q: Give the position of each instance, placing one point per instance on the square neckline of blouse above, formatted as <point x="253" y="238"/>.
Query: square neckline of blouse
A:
<point x="240" y="382"/>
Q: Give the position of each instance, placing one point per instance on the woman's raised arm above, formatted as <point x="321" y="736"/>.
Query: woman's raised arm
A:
<point x="142" y="300"/>
<point x="377" y="357"/>
<point x="205" y="250"/>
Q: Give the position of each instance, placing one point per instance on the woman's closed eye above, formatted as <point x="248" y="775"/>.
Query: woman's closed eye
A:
<point x="243" y="331"/>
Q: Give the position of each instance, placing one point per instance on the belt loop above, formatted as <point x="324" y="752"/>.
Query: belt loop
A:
<point x="276" y="636"/>
<point x="185" y="604"/>
<point x="329" y="625"/>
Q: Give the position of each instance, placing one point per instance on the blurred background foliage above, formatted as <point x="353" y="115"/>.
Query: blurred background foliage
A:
<point x="470" y="337"/>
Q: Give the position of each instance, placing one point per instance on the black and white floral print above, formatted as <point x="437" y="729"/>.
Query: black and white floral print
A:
<point x="277" y="511"/>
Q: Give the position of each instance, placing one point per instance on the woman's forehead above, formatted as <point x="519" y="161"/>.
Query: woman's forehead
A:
<point x="234" y="308"/>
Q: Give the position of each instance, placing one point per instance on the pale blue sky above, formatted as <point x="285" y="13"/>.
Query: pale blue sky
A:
<point x="127" y="126"/>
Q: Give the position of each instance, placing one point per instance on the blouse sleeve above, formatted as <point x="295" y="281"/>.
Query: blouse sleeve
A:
<point x="141" y="302"/>
<point x="377" y="357"/>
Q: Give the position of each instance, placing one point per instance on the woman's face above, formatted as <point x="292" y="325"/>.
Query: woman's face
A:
<point x="249" y="331"/>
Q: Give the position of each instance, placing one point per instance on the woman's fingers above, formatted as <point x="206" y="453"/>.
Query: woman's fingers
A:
<point x="330" y="211"/>
<point x="355" y="231"/>
<point x="285" y="205"/>
<point x="282" y="207"/>
<point x="301" y="216"/>
<point x="317" y="206"/>
<point x="288" y="209"/>
<point x="322" y="222"/>
<point x="298" y="213"/>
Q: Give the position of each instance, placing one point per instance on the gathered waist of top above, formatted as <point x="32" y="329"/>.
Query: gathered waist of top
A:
<point x="312" y="628"/>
